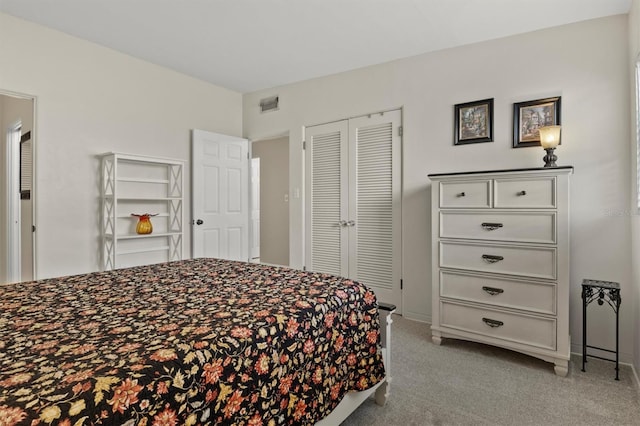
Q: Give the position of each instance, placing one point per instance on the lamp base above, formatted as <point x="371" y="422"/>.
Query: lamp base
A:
<point x="550" y="158"/>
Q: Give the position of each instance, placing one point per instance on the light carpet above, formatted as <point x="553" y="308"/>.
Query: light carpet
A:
<point x="465" y="383"/>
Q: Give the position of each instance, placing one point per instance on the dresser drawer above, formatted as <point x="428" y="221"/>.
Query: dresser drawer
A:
<point x="526" y="329"/>
<point x="533" y="227"/>
<point x="526" y="193"/>
<point x="536" y="262"/>
<point x="529" y="295"/>
<point x="461" y="194"/>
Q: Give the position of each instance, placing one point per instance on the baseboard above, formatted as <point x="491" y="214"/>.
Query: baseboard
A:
<point x="414" y="316"/>
<point x="635" y="375"/>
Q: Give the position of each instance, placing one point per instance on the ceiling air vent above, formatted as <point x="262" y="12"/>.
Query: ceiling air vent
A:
<point x="269" y="104"/>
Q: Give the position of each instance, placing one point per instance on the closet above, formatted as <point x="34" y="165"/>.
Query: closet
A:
<point x="353" y="201"/>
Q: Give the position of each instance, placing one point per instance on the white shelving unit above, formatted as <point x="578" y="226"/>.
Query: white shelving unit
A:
<point x="135" y="184"/>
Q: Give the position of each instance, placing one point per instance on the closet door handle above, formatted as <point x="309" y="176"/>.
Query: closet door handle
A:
<point x="342" y="223"/>
<point x="492" y="323"/>
<point x="489" y="258"/>
<point x="351" y="223"/>
<point x="490" y="226"/>
<point x="492" y="290"/>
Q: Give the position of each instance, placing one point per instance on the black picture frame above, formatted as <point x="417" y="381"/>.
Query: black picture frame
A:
<point x="473" y="122"/>
<point x="529" y="116"/>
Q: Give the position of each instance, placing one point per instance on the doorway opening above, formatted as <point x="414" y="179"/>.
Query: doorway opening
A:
<point x="14" y="134"/>
<point x="270" y="201"/>
<point x="17" y="257"/>
<point x="254" y="215"/>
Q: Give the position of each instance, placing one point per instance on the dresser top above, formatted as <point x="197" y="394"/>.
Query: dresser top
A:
<point x="531" y="169"/>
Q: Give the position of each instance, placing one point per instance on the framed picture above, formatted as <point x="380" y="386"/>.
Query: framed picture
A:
<point x="529" y="116"/>
<point x="474" y="122"/>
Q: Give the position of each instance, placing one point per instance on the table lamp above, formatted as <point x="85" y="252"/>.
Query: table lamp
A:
<point x="549" y="139"/>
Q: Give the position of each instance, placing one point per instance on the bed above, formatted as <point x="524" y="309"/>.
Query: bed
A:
<point x="202" y="341"/>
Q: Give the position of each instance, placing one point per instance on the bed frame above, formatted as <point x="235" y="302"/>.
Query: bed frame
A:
<point x="382" y="389"/>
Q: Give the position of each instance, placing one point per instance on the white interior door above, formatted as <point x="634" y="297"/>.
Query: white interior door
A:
<point x="375" y="204"/>
<point x="220" y="196"/>
<point x="353" y="201"/>
<point x="327" y="206"/>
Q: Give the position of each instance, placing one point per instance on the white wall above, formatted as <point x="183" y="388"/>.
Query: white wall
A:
<point x="90" y="100"/>
<point x="585" y="63"/>
<point x="634" y="56"/>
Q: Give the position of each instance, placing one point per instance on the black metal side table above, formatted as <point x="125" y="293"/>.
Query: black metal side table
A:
<point x="602" y="291"/>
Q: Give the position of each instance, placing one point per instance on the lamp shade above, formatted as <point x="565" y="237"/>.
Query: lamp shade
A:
<point x="549" y="136"/>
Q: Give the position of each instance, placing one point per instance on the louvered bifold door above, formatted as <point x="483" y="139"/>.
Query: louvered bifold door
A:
<point x="374" y="200"/>
<point x="326" y="195"/>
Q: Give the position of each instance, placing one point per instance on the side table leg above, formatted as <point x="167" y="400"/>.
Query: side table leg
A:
<point x="584" y="328"/>
<point x="617" y="337"/>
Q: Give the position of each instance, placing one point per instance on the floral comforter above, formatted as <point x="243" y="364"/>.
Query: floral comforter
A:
<point x="199" y="341"/>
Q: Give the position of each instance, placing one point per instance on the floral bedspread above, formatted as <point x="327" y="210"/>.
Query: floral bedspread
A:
<point x="201" y="341"/>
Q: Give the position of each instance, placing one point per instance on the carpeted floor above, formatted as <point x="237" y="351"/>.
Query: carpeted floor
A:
<point x="464" y="383"/>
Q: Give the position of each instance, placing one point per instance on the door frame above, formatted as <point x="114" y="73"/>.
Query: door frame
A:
<point x="290" y="190"/>
<point x="34" y="173"/>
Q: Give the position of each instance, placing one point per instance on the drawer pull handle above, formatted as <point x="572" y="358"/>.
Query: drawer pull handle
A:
<point x="489" y="258"/>
<point x="462" y="194"/>
<point x="492" y="290"/>
<point x="490" y="226"/>
<point x="522" y="193"/>
<point x="492" y="323"/>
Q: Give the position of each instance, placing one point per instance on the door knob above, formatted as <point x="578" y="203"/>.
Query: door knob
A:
<point x="199" y="222"/>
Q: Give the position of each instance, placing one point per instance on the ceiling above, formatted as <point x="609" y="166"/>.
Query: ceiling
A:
<point x="247" y="45"/>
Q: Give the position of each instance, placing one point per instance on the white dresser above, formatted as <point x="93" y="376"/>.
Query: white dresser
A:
<point x="501" y="260"/>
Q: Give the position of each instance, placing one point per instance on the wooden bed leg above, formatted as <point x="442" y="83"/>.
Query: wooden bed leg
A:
<point x="384" y="390"/>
